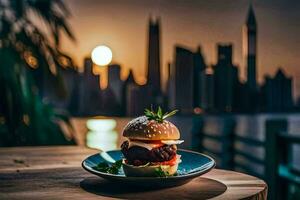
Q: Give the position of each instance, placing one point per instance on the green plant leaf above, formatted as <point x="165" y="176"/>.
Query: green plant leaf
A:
<point x="159" y="112"/>
<point x="106" y="168"/>
<point x="161" y="173"/>
<point x="158" y="116"/>
<point x="166" y="115"/>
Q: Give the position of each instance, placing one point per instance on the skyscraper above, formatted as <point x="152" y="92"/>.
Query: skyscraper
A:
<point x="90" y="92"/>
<point x="153" y="76"/>
<point x="249" y="48"/>
<point x="199" y="67"/>
<point x="277" y="93"/>
<point x="70" y="80"/>
<point x="207" y="89"/>
<point x="136" y="102"/>
<point x="114" y="81"/>
<point x="182" y="75"/>
<point x="125" y="91"/>
<point x="225" y="77"/>
<point x="171" y="86"/>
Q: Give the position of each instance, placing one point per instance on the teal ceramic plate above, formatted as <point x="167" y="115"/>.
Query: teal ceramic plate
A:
<point x="193" y="165"/>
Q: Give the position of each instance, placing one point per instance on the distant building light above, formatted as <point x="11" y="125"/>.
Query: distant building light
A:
<point x="198" y="110"/>
<point x="209" y="71"/>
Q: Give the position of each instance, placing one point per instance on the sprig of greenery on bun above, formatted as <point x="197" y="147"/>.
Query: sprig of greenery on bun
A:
<point x="158" y="116"/>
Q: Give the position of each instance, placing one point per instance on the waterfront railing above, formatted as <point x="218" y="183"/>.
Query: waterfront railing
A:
<point x="269" y="159"/>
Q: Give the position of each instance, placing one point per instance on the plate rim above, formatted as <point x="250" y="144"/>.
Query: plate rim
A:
<point x="193" y="174"/>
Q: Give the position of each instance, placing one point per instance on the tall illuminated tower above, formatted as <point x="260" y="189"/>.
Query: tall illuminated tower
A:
<point x="250" y="48"/>
<point x="153" y="77"/>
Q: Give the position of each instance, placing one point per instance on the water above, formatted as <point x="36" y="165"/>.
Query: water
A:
<point x="252" y="126"/>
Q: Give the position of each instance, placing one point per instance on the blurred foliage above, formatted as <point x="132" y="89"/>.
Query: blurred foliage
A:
<point x="294" y="192"/>
<point x="30" y="55"/>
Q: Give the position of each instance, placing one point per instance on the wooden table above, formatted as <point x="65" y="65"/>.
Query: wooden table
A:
<point x="56" y="173"/>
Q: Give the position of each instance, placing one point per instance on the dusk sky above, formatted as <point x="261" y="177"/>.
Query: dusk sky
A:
<point x="123" y="24"/>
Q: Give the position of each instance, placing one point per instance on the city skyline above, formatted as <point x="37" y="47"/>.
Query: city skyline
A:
<point x="274" y="48"/>
<point x="193" y="86"/>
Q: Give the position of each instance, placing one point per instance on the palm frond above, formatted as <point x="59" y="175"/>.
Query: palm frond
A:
<point x="28" y="120"/>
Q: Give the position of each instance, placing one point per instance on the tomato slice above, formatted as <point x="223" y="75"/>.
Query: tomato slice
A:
<point x="169" y="162"/>
<point x="157" y="145"/>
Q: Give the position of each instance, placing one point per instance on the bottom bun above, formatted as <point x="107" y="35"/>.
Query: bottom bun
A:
<point x="148" y="170"/>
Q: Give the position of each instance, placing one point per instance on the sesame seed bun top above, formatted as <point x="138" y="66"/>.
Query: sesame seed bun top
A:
<point x="141" y="128"/>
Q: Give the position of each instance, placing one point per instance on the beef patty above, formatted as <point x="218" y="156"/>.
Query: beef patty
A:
<point x="137" y="155"/>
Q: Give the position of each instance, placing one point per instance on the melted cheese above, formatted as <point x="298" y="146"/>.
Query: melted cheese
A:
<point x="150" y="146"/>
<point x="170" y="142"/>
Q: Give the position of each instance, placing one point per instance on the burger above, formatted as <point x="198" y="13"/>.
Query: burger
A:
<point x="150" y="148"/>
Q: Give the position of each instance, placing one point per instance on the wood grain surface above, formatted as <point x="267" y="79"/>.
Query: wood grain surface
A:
<point x="56" y="173"/>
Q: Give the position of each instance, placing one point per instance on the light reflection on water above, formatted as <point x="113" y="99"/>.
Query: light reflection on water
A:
<point x="102" y="134"/>
<point x="101" y="125"/>
<point x="102" y="140"/>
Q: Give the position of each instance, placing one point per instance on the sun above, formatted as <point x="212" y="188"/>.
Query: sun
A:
<point x="101" y="55"/>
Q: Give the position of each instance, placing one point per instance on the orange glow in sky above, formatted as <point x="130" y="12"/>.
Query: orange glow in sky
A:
<point x="123" y="25"/>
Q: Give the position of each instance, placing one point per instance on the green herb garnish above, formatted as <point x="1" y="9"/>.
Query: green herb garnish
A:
<point x="158" y="116"/>
<point x="111" y="169"/>
<point x="161" y="173"/>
